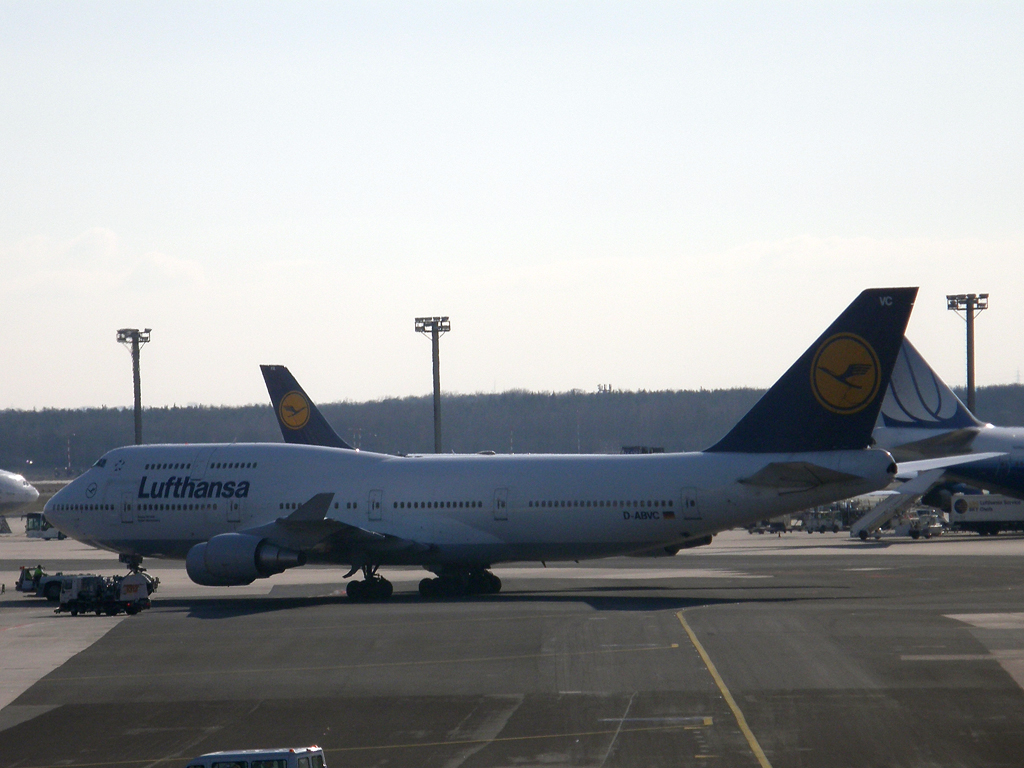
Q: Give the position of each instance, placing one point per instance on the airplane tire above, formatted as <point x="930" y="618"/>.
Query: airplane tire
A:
<point x="428" y="588"/>
<point x="354" y="591"/>
<point x="495" y="583"/>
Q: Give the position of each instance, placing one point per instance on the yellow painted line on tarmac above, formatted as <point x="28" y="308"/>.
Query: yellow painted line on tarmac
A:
<point x="741" y="721"/>
<point x="410" y="745"/>
<point x="370" y="665"/>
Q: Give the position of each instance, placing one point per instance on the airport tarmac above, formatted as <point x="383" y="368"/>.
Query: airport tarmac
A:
<point x="804" y="650"/>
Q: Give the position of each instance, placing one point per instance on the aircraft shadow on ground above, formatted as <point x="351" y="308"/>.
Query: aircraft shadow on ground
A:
<point x="610" y="599"/>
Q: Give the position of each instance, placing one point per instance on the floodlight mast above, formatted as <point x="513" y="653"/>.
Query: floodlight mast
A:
<point x="970" y="304"/>
<point x="133" y="338"/>
<point x="435" y="327"/>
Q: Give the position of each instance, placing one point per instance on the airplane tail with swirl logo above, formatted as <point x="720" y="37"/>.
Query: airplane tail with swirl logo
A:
<point x="830" y="398"/>
<point x="918" y="398"/>
<point x="297" y="415"/>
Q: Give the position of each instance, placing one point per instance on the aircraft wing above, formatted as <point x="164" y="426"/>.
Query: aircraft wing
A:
<point x="943" y="444"/>
<point x="309" y="529"/>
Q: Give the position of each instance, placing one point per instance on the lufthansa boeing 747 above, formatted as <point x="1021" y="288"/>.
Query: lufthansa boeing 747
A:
<point x="240" y="512"/>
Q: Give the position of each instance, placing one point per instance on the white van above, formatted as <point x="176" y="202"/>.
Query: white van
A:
<point x="299" y="757"/>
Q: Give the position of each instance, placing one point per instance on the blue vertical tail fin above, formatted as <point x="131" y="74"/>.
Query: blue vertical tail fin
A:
<point x="830" y="398"/>
<point x="298" y="417"/>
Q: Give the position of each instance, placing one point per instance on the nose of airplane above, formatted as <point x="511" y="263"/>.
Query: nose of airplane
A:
<point x="33" y="494"/>
<point x="50" y="510"/>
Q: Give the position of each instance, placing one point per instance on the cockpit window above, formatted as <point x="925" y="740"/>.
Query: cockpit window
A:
<point x="100" y="463"/>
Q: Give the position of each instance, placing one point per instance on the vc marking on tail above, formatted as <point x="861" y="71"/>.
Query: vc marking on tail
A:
<point x="294" y="410"/>
<point x="845" y="374"/>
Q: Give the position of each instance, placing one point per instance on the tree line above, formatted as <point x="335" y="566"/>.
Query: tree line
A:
<point x="55" y="442"/>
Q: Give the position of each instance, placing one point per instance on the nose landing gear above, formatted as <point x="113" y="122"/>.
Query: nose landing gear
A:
<point x="134" y="562"/>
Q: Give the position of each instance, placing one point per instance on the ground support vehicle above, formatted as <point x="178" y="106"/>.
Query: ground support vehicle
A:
<point x="47" y="585"/>
<point x="106" y="594"/>
<point x="822" y="522"/>
<point x="927" y="524"/>
<point x="297" y="757"/>
<point x="986" y="513"/>
<point x="38" y="527"/>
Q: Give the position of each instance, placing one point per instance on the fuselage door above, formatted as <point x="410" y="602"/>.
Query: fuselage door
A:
<point x="127" y="513"/>
<point x="688" y="504"/>
<point x="375" y="504"/>
<point x="501" y="504"/>
<point x="234" y="510"/>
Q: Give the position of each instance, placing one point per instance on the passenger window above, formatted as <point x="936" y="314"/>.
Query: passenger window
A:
<point x="232" y="764"/>
<point x="269" y="764"/>
<point x="303" y="762"/>
<point x="318" y="761"/>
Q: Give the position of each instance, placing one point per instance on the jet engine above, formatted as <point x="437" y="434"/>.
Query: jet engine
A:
<point x="236" y="559"/>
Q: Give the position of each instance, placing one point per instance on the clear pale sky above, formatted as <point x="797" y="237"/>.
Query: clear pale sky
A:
<point x="647" y="195"/>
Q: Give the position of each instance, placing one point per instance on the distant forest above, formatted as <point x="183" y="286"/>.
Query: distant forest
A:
<point x="47" y="443"/>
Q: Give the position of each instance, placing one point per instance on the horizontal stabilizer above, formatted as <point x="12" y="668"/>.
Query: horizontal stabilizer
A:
<point x="796" y="476"/>
<point x="298" y="417"/>
<point x="908" y="469"/>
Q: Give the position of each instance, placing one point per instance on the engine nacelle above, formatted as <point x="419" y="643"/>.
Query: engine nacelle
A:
<point x="236" y="559"/>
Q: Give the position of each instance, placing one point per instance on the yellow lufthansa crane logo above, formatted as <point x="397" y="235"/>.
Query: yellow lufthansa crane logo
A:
<point x="845" y="374"/>
<point x="294" y="410"/>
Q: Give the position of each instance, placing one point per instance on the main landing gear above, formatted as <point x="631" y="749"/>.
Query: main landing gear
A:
<point x="461" y="582"/>
<point x="371" y="589"/>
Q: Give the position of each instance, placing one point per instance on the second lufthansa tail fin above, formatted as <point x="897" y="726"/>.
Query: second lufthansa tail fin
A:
<point x="300" y="420"/>
<point x="829" y="399"/>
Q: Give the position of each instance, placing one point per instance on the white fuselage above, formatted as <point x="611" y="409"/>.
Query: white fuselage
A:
<point x="15" y="493"/>
<point x="161" y="500"/>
